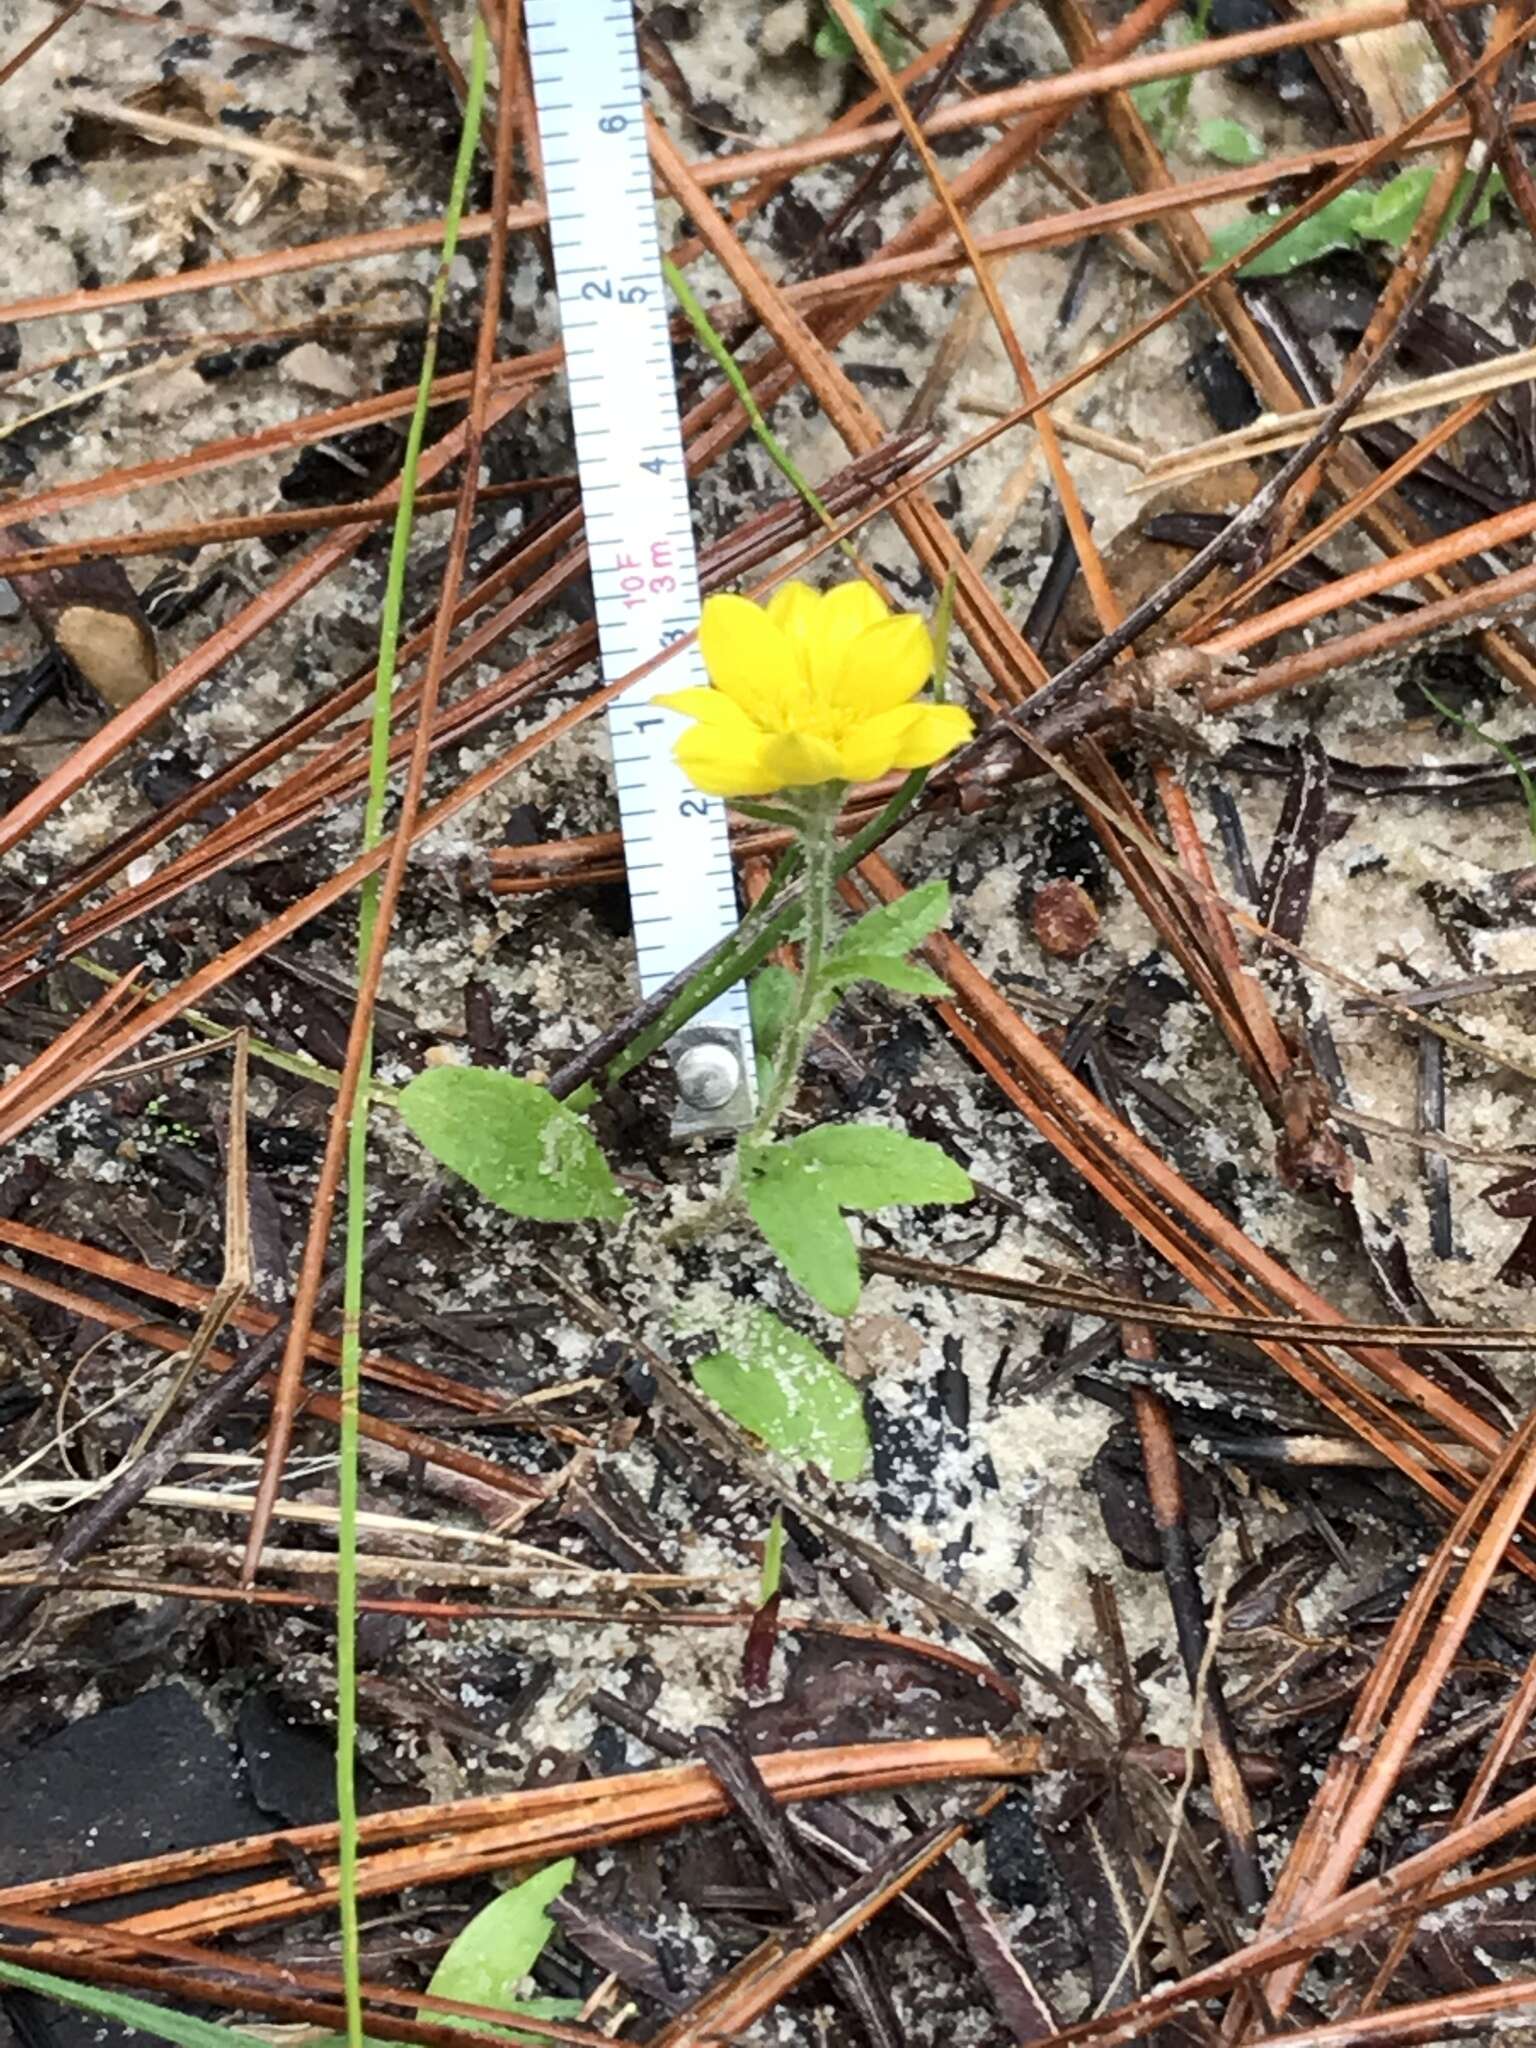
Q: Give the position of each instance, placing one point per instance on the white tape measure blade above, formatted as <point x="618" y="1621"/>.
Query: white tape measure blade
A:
<point x="634" y="483"/>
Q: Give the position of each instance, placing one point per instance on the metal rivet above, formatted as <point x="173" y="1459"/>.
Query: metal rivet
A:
<point x="708" y="1075"/>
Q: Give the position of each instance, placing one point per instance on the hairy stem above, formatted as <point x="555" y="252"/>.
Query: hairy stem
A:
<point x="818" y="845"/>
<point x="776" y="917"/>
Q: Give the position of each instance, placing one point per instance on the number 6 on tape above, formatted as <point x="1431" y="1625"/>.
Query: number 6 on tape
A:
<point x="634" y="487"/>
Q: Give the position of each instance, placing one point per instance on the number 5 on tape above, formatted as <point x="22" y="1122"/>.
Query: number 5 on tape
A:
<point x="634" y="486"/>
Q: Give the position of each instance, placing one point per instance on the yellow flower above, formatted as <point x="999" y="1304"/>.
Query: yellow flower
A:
<point x="812" y="687"/>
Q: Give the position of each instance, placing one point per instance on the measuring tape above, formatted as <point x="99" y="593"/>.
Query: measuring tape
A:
<point x="634" y="488"/>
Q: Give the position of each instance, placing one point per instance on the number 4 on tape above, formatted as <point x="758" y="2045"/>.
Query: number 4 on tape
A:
<point x="634" y="484"/>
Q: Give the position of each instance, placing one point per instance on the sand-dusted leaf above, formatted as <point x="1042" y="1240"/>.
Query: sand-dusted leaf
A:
<point x="776" y="1383"/>
<point x="867" y="1166"/>
<point x="771" y="1000"/>
<point x="805" y="1227"/>
<point x="910" y="977"/>
<point x="1333" y="227"/>
<point x="512" y="1141"/>
<point x="1392" y="211"/>
<point x="895" y="928"/>
<point x="1163" y="103"/>
<point x="1387" y="213"/>
<point x="796" y="1192"/>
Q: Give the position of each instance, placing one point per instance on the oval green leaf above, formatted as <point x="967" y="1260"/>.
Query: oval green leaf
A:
<point x="1230" y="142"/>
<point x="491" y="1956"/>
<point x="895" y="928"/>
<point x="512" y="1141"/>
<point x="778" y="1385"/>
<point x="867" y="1166"/>
<point x="805" y="1227"/>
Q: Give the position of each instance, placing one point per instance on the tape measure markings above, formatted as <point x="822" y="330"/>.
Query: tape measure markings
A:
<point x="634" y="482"/>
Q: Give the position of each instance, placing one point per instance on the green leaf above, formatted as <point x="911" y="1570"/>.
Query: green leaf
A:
<point x="805" y="1228"/>
<point x="778" y="1385"/>
<point x="513" y="1141"/>
<point x="895" y="928"/>
<point x="1230" y="142"/>
<point x="910" y="976"/>
<point x="492" y="1955"/>
<point x="160" y="2020"/>
<point x="1157" y="102"/>
<point x="1164" y="102"/>
<point x="1232" y="237"/>
<point x="795" y="1192"/>
<point x="1391" y="213"/>
<point x="866" y="1166"/>
<point x="1334" y="226"/>
<point x="1387" y="214"/>
<point x="833" y="44"/>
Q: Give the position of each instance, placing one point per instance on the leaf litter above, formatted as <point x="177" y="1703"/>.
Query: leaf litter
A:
<point x="980" y="1487"/>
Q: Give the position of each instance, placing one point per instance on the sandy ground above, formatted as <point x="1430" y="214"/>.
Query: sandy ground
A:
<point x="999" y="1509"/>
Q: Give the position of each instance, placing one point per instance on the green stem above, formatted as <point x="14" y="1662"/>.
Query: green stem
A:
<point x="818" y="844"/>
<point x="748" y="946"/>
<point x="350" y="1375"/>
<point x="778" y="454"/>
<point x="286" y="1062"/>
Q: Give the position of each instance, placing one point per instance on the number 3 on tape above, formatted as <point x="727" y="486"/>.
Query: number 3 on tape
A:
<point x="634" y="486"/>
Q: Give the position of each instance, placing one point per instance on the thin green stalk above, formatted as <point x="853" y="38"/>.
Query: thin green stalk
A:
<point x="942" y="631"/>
<point x="773" y="1558"/>
<point x="749" y="945"/>
<point x="357" y="1130"/>
<point x="819" y="846"/>
<point x="777" y="453"/>
<point x="293" y="1063"/>
<point x="1507" y="754"/>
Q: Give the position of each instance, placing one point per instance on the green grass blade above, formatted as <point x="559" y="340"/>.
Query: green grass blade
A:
<point x="357" y="1133"/>
<point x="160" y="2020"/>
<point x="1506" y="754"/>
<point x="778" y="454"/>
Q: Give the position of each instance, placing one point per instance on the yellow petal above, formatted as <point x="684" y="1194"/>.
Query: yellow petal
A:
<point x="885" y="666"/>
<point x="909" y="736"/>
<point x="843" y="615"/>
<point x="936" y="730"/>
<point x="709" y="707"/>
<point x="725" y="764"/>
<point x="850" y="608"/>
<point x="751" y="659"/>
<point x="799" y="760"/>
<point x="869" y="747"/>
<point x="794" y="608"/>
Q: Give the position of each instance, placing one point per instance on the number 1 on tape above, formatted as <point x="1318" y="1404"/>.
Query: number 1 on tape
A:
<point x="634" y="486"/>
